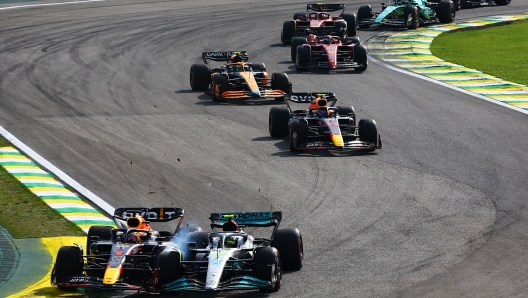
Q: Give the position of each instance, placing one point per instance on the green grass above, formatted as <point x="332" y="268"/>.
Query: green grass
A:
<point x="25" y="215"/>
<point x="501" y="51"/>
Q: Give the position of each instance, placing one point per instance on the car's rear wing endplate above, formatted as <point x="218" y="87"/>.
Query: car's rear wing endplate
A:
<point x="322" y="7"/>
<point x="224" y="56"/>
<point x="248" y="219"/>
<point x="159" y="214"/>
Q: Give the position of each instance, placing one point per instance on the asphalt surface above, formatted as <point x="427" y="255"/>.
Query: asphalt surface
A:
<point x="101" y="90"/>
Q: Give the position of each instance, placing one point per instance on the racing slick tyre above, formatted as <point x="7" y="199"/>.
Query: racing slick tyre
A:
<point x="288" y="32"/>
<point x="446" y="11"/>
<point x="259" y="71"/>
<point x="199" y="77"/>
<point x="502" y="2"/>
<point x="298" y="131"/>
<point x="280" y="81"/>
<point x="296" y="41"/>
<point x="303" y="15"/>
<point x="69" y="262"/>
<point x="168" y="266"/>
<point x="352" y="40"/>
<point x="219" y="86"/>
<point x="303" y="58"/>
<point x="278" y="122"/>
<point x="289" y="243"/>
<point x="368" y="132"/>
<point x="364" y="12"/>
<point x="411" y="15"/>
<point x="351" y="21"/>
<point x="268" y="267"/>
<point x="101" y="232"/>
<point x="360" y="57"/>
<point x="200" y="238"/>
<point x="258" y="67"/>
<point x="344" y="111"/>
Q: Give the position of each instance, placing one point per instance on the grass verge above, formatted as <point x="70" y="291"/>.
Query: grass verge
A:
<point x="25" y="215"/>
<point x="501" y="51"/>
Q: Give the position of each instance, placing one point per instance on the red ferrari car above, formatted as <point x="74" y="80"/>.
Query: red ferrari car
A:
<point x="328" y="51"/>
<point x="317" y="16"/>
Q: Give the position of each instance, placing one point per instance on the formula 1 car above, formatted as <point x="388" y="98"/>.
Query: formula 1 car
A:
<point x="317" y="15"/>
<point x="408" y="13"/>
<point x="327" y="51"/>
<point x="238" y="78"/>
<point x="234" y="260"/>
<point x="322" y="125"/>
<point x="131" y="256"/>
<point x="475" y="3"/>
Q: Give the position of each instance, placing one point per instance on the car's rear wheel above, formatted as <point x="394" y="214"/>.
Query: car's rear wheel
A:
<point x="360" y="57"/>
<point x="352" y="40"/>
<point x="69" y="262"/>
<point x="278" y="121"/>
<point x="411" y="16"/>
<point x="502" y="2"/>
<point x="288" y="31"/>
<point x="218" y="86"/>
<point x="364" y="12"/>
<point x="303" y="15"/>
<point x="268" y="267"/>
<point x="289" y="243"/>
<point x="298" y="132"/>
<point x="169" y="266"/>
<point x="280" y="81"/>
<point x="303" y="58"/>
<point x="199" y="77"/>
<point x="97" y="233"/>
<point x="349" y="111"/>
<point x="368" y="131"/>
<point x="296" y="41"/>
<point x="446" y="12"/>
<point x="351" y="21"/>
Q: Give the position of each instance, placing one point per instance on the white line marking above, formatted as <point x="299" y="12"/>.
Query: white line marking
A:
<point x="49" y="4"/>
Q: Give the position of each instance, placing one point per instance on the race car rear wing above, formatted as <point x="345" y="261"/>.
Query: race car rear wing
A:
<point x="248" y="219"/>
<point x="302" y="97"/>
<point x="322" y="7"/>
<point x="224" y="56"/>
<point x="150" y="214"/>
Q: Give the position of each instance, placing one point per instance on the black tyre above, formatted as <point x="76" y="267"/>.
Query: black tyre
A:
<point x="258" y="67"/>
<point x="347" y="111"/>
<point x="297" y="134"/>
<point x="199" y="77"/>
<point x="101" y="232"/>
<point x="368" y="131"/>
<point x="219" y="86"/>
<point x="303" y="58"/>
<point x="296" y="41"/>
<point x="502" y="2"/>
<point x="280" y="81"/>
<point x="360" y="57"/>
<point x="69" y="262"/>
<point x="411" y="13"/>
<point x="458" y="4"/>
<point x="364" y="12"/>
<point x="268" y="267"/>
<point x="200" y="238"/>
<point x="352" y="40"/>
<point x="303" y="15"/>
<point x="288" y="32"/>
<point x="289" y="243"/>
<point x="445" y="12"/>
<point x="169" y="266"/>
<point x="351" y="21"/>
<point x="278" y="121"/>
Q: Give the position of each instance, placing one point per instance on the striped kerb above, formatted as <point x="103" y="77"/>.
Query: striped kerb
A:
<point x="411" y="50"/>
<point x="50" y="190"/>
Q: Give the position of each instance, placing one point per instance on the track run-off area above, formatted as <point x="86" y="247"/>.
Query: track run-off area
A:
<point x="101" y="91"/>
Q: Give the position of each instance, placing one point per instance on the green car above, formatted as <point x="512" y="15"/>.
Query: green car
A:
<point x="408" y="13"/>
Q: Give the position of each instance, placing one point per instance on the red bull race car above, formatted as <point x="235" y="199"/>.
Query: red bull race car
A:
<point x="238" y="78"/>
<point x="319" y="50"/>
<point x="322" y="125"/>
<point x="318" y="16"/>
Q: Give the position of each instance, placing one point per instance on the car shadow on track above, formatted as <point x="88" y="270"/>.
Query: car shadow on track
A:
<point x="321" y="71"/>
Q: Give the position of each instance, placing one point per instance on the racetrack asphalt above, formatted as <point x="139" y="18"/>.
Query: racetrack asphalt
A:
<point x="26" y="262"/>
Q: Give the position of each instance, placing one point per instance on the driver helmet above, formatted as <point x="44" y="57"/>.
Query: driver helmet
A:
<point x="133" y="238"/>
<point x="321" y="101"/>
<point x="137" y="222"/>
<point x="230" y="226"/>
<point x="326" y="40"/>
<point x="334" y="40"/>
<point x="311" y="38"/>
<point x="236" y="58"/>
